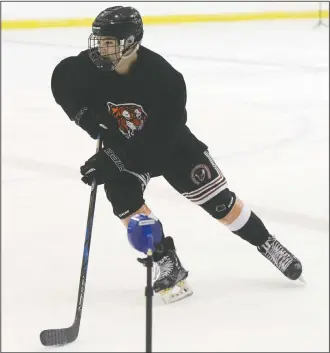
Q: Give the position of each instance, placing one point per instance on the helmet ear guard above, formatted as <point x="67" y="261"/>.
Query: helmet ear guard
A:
<point x="130" y="46"/>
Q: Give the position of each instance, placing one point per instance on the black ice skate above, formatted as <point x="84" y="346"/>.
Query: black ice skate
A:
<point x="170" y="276"/>
<point x="282" y="258"/>
<point x="171" y="281"/>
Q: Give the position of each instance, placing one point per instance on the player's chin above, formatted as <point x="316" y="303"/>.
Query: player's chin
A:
<point x="111" y="59"/>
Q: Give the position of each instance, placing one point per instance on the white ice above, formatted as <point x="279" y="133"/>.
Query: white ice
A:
<point x="258" y="95"/>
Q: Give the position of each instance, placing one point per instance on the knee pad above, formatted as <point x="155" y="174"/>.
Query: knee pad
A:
<point x="245" y="224"/>
<point x="221" y="204"/>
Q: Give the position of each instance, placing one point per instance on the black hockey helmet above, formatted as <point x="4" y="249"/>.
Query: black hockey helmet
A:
<point x="124" y="24"/>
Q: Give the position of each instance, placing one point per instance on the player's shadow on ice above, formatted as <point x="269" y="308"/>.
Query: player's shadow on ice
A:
<point x="204" y="290"/>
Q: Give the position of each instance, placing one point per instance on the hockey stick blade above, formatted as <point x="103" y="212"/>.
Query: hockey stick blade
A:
<point x="59" y="337"/>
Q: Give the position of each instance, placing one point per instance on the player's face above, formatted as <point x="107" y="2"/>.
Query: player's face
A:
<point x="109" y="48"/>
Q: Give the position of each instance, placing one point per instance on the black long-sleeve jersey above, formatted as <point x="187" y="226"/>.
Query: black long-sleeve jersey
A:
<point x="148" y="105"/>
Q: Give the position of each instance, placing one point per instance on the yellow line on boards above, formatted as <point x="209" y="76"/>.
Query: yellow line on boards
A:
<point x="168" y="19"/>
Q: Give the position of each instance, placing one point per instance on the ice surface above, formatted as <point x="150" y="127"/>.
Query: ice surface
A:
<point x="258" y="94"/>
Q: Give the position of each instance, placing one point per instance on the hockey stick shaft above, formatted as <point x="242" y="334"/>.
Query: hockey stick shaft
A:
<point x="55" y="337"/>
<point x="149" y="295"/>
<point x="87" y="244"/>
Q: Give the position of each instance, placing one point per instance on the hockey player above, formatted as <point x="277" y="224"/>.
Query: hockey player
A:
<point x="135" y="101"/>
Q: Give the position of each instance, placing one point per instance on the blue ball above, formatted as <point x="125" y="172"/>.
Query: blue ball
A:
<point x="144" y="233"/>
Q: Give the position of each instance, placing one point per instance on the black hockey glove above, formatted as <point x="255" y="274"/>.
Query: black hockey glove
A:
<point x="96" y="124"/>
<point x="103" y="166"/>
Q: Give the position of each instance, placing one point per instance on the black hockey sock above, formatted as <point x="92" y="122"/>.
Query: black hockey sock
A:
<point x="253" y="231"/>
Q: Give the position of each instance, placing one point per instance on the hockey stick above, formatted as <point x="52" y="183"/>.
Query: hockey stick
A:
<point x="56" y="337"/>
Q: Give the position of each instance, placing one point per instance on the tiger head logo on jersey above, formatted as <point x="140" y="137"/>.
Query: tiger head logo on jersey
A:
<point x="130" y="117"/>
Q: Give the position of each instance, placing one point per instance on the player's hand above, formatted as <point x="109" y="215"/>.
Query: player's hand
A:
<point x="101" y="167"/>
<point x="96" y="124"/>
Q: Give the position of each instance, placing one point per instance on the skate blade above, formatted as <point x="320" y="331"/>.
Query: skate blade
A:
<point x="180" y="291"/>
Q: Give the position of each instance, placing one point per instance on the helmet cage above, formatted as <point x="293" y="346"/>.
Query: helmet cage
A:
<point x="105" y="61"/>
